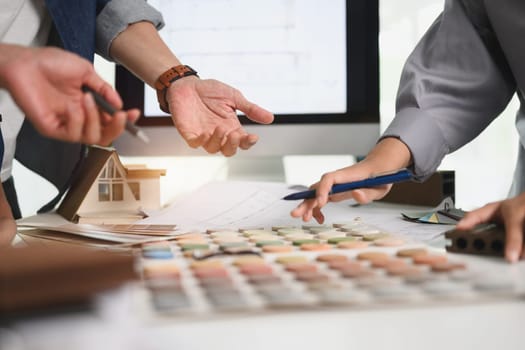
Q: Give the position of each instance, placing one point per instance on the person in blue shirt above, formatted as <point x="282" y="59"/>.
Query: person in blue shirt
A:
<point x="50" y="140"/>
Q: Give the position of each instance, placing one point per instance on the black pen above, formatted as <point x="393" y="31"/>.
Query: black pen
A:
<point x="106" y="107"/>
<point x="381" y="179"/>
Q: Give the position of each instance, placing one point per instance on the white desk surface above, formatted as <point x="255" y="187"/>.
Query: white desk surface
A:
<point x="476" y="326"/>
<point x="117" y="325"/>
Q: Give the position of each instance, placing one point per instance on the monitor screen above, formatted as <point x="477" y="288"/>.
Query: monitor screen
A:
<point x="313" y="63"/>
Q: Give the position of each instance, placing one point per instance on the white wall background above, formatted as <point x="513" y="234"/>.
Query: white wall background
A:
<point x="483" y="168"/>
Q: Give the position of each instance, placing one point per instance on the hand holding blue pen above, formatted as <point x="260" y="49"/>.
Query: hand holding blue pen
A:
<point x="390" y="178"/>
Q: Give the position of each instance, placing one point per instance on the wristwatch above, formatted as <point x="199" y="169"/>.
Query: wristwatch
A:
<point x="164" y="81"/>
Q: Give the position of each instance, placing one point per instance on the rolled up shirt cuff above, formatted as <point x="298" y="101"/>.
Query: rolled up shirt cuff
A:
<point x="423" y="137"/>
<point x="116" y="16"/>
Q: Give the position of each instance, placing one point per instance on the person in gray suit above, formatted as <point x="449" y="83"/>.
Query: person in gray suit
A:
<point x="458" y="79"/>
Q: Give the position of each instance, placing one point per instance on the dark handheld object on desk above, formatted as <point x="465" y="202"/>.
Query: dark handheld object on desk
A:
<point x="485" y="239"/>
<point x="390" y="178"/>
<point x="106" y="107"/>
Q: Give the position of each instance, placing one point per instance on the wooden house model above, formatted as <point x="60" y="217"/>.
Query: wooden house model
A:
<point x="106" y="191"/>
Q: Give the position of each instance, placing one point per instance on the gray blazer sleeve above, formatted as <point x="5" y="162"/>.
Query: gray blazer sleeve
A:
<point x="115" y="18"/>
<point x="453" y="85"/>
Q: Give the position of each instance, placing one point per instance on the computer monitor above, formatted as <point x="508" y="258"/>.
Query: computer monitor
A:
<point x="313" y="63"/>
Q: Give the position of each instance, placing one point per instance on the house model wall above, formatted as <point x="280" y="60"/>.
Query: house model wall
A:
<point x="105" y="188"/>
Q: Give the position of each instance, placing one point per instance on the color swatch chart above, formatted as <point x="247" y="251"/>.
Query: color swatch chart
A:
<point x="349" y="264"/>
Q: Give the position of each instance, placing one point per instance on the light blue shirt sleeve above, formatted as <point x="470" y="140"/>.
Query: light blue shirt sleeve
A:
<point x="115" y="18"/>
<point x="452" y="87"/>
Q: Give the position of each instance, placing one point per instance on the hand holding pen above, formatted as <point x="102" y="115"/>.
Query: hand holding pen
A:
<point x="375" y="180"/>
<point x="333" y="187"/>
<point x="108" y="108"/>
<point x="45" y="84"/>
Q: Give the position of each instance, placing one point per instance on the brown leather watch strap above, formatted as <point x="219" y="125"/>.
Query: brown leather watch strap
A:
<point x="164" y="81"/>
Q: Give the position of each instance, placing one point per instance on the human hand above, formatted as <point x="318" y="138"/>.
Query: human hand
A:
<point x="511" y="213"/>
<point x="312" y="207"/>
<point x="388" y="154"/>
<point x="46" y="84"/>
<point x="204" y="113"/>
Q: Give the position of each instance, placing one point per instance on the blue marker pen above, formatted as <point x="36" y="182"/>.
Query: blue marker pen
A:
<point x="398" y="176"/>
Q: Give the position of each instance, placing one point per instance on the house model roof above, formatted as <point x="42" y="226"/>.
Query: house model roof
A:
<point x="88" y="173"/>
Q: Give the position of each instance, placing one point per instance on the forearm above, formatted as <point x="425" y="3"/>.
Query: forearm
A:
<point x="5" y="208"/>
<point x="7" y="222"/>
<point x="389" y="154"/>
<point x="143" y="52"/>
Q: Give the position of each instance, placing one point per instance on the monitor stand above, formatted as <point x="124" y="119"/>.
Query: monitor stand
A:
<point x="259" y="168"/>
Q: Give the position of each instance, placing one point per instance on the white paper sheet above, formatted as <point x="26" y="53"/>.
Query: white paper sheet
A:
<point x="388" y="217"/>
<point x="239" y="204"/>
<point x="230" y="204"/>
